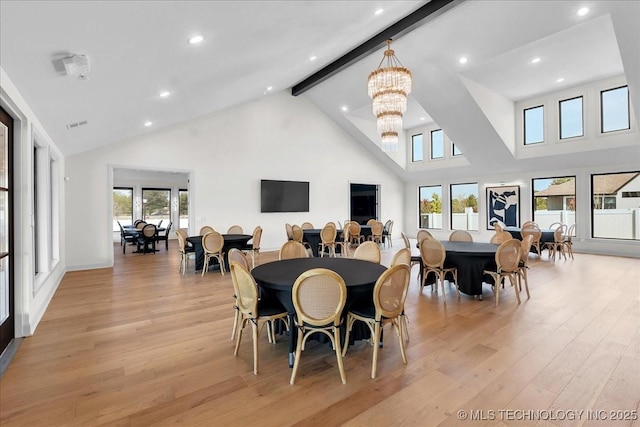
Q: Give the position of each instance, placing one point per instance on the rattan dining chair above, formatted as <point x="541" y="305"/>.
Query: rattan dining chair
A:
<point x="389" y="295"/>
<point x="507" y="266"/>
<point x="253" y="248"/>
<point x="253" y="310"/>
<point x="355" y="238"/>
<point x="460" y="236"/>
<point x="306" y="226"/>
<point x="289" y="230"/>
<point x="344" y="242"/>
<point x="558" y="244"/>
<point x="368" y="251"/>
<point x="186" y="251"/>
<point x="403" y="256"/>
<point x="433" y="256"/>
<point x="525" y="245"/>
<point x="239" y="257"/>
<point x="423" y="234"/>
<point x="328" y="239"/>
<point x="319" y="296"/>
<point x="568" y="239"/>
<point x="377" y="229"/>
<point x="292" y="249"/>
<point x="235" y="229"/>
<point x="205" y="229"/>
<point x="147" y="239"/>
<point x="534" y="231"/>
<point x="212" y="243"/>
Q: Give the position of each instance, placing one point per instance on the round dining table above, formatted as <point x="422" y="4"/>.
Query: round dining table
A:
<point x="276" y="280"/>
<point x="238" y="241"/>
<point x="470" y="259"/>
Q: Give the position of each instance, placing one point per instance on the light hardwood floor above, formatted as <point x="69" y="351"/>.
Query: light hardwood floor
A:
<point x="140" y="345"/>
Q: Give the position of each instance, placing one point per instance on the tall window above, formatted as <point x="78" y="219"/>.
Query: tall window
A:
<point x="183" y="208"/>
<point x="615" y="215"/>
<point x="614" y="108"/>
<point x="455" y="151"/>
<point x="156" y="205"/>
<point x="430" y="199"/>
<point x="464" y="206"/>
<point x="437" y="144"/>
<point x="571" y="119"/>
<point x="554" y="200"/>
<point x="122" y="207"/>
<point x="416" y="148"/>
<point x="534" y="125"/>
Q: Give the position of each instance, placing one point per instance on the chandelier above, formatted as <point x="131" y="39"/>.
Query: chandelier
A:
<point x="388" y="87"/>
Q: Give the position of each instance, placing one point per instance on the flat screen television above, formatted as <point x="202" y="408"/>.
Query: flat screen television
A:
<point x="284" y="196"/>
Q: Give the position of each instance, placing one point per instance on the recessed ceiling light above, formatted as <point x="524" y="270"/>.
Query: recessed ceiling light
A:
<point x="270" y="88"/>
<point x="422" y="118"/>
<point x="313" y="58"/>
<point x="147" y="124"/>
<point x="463" y="60"/>
<point x="583" y="11"/>
<point x="535" y="60"/>
<point x="196" y="39"/>
<point x="378" y="12"/>
<point x="345" y="108"/>
<point x="164" y="94"/>
<point x="560" y="80"/>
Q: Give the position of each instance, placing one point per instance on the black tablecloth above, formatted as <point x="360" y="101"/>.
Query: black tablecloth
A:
<point x="547" y="235"/>
<point x="230" y="241"/>
<point x="471" y="259"/>
<point x="276" y="280"/>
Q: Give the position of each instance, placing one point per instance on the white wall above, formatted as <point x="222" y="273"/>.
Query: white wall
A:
<point x="227" y="153"/>
<point x="32" y="292"/>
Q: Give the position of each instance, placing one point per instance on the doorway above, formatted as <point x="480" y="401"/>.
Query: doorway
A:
<point x="364" y="202"/>
<point x="7" y="315"/>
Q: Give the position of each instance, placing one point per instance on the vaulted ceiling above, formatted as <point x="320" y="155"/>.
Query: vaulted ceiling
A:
<point x="138" y="49"/>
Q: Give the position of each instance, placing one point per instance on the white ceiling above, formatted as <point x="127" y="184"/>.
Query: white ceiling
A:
<point x="137" y="49"/>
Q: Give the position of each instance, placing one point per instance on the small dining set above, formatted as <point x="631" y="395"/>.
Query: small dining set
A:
<point x="340" y="299"/>
<point x="144" y="236"/>
<point x="210" y="247"/>
<point x="468" y="264"/>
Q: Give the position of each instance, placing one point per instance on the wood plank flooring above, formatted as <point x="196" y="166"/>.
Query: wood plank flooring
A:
<point x="139" y="344"/>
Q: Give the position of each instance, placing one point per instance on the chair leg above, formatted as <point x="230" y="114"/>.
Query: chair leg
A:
<point x="398" y="327"/>
<point x="254" y="329"/>
<point x="296" y="360"/>
<point x="336" y="335"/>
<point x="404" y="323"/>
<point x="236" y="317"/>
<point x="376" y="340"/>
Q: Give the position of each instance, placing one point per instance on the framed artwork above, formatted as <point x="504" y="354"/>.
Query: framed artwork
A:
<point x="503" y="204"/>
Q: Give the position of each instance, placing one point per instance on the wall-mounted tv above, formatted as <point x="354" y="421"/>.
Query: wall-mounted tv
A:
<point x="284" y="196"/>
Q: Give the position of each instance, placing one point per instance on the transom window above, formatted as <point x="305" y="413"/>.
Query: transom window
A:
<point x="614" y="107"/>
<point x="416" y="148"/>
<point x="437" y="144"/>
<point x="571" y="119"/>
<point x="534" y="125"/>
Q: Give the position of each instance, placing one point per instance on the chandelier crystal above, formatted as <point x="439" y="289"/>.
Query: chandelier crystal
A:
<point x="388" y="87"/>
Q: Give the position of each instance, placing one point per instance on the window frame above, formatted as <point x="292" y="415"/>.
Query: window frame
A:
<point x="524" y="125"/>
<point x="131" y="189"/>
<point x="604" y="197"/>
<point x="602" y="92"/>
<point x="142" y="205"/>
<point x="413" y="148"/>
<point x="453" y="150"/>
<point x="420" y="187"/>
<point x="533" y="198"/>
<point x="431" y="144"/>
<point x="451" y="198"/>
<point x="560" y="137"/>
